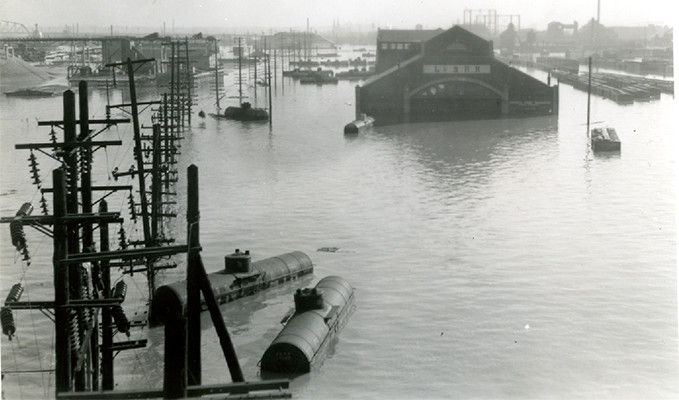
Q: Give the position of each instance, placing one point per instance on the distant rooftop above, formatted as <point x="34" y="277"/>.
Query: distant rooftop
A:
<point x="406" y="35"/>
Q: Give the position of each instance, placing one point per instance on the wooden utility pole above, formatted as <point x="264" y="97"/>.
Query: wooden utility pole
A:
<point x="62" y="321"/>
<point x="589" y="91"/>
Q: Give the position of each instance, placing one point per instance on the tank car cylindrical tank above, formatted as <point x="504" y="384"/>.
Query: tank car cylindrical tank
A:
<point x="320" y="313"/>
<point x="239" y="278"/>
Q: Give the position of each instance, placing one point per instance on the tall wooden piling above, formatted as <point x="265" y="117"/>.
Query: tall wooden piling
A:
<point x="269" y="82"/>
<point x="589" y="91"/>
<point x="192" y="279"/>
<point x="175" y="374"/>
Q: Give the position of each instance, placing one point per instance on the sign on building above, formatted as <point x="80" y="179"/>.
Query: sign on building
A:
<point x="457" y="69"/>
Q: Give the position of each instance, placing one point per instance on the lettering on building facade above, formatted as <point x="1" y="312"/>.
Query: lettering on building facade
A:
<point x="456" y="69"/>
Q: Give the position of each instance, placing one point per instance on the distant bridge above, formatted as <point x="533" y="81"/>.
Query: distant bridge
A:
<point x="9" y="27"/>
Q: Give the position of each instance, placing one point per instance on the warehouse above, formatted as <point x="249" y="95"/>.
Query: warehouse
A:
<point x="437" y="75"/>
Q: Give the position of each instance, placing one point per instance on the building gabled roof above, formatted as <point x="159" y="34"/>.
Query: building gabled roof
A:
<point x="377" y="77"/>
<point x="406" y="35"/>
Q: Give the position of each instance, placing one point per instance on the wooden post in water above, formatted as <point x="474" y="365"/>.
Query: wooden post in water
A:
<point x="256" y="55"/>
<point x="192" y="280"/>
<point x="589" y="92"/>
<point x="240" y="77"/>
<point x="217" y="75"/>
<point x="269" y="81"/>
<point x="175" y="374"/>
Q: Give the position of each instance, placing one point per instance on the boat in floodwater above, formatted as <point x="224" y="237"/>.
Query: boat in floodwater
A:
<point x="605" y="139"/>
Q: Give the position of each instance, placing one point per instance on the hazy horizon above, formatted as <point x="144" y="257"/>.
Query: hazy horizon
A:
<point x="230" y="15"/>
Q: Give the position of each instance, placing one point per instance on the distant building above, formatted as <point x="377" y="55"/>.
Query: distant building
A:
<point x="595" y="34"/>
<point x="509" y="39"/>
<point x="298" y="41"/>
<point x="447" y="75"/>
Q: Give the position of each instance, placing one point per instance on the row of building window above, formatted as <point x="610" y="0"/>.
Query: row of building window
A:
<point x="395" y="46"/>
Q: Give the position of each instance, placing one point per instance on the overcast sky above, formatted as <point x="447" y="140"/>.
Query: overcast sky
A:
<point x="231" y="14"/>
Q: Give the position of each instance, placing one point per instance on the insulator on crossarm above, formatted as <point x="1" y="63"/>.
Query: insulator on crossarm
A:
<point x="133" y="207"/>
<point x="25" y="256"/>
<point x="16" y="230"/>
<point x="73" y="332"/>
<point x="14" y="293"/>
<point x="43" y="205"/>
<point x="53" y="135"/>
<point x="122" y="238"/>
<point x="33" y="164"/>
<point x="82" y="160"/>
<point x="120" y="290"/>
<point x="7" y="321"/>
<point x="85" y="294"/>
<point x="122" y="323"/>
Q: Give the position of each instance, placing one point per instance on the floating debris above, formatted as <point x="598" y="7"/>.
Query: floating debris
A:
<point x="329" y="249"/>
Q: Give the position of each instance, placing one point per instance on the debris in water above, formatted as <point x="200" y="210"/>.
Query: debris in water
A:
<point x="329" y="249"/>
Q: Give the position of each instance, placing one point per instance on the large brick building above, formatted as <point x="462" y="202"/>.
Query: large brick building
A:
<point x="437" y="75"/>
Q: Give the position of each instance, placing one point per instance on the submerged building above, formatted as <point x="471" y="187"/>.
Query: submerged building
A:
<point x="438" y="75"/>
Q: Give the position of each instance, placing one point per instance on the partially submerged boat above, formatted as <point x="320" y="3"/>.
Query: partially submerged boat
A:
<point x="605" y="139"/>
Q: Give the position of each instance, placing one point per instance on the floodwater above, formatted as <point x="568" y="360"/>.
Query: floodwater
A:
<point x="491" y="259"/>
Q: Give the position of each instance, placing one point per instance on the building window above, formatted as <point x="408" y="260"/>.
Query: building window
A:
<point x="406" y="46"/>
<point x="385" y="46"/>
<point x="399" y="46"/>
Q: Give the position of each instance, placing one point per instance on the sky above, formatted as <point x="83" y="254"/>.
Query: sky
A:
<point x="405" y="14"/>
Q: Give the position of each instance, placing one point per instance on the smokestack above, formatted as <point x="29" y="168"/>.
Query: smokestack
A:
<point x="598" y="11"/>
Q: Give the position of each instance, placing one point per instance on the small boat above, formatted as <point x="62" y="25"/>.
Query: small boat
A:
<point x="605" y="139"/>
<point x="244" y="113"/>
